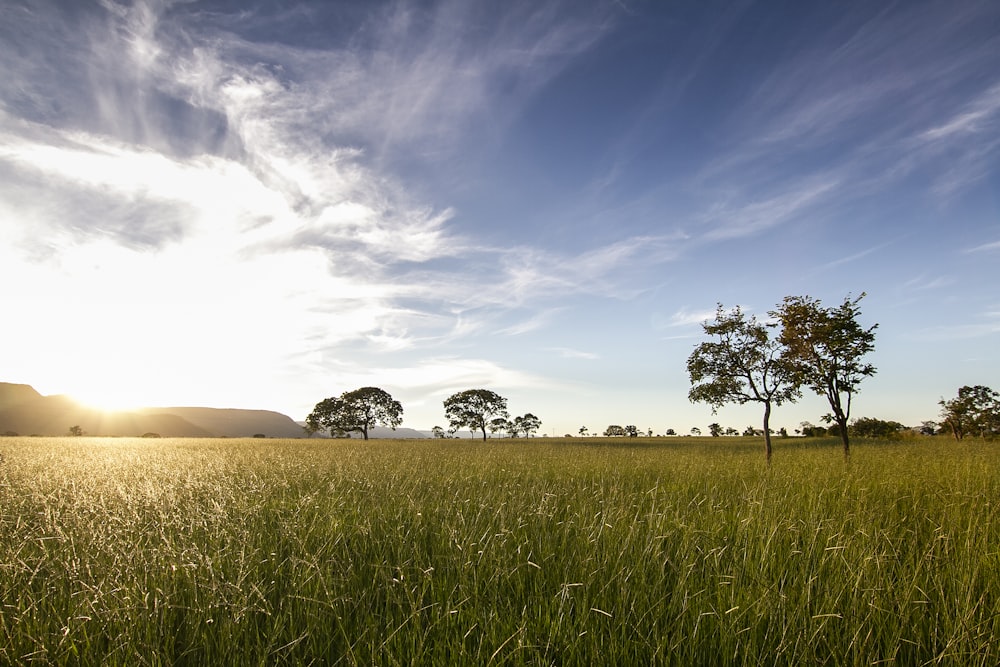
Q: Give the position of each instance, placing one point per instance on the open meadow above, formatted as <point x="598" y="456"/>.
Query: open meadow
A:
<point x="543" y="552"/>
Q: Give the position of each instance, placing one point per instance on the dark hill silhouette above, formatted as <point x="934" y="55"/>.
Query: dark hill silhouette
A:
<point x="234" y="423"/>
<point x="23" y="410"/>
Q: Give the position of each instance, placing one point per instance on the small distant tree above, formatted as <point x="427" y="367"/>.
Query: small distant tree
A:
<point x="825" y="350"/>
<point x="975" y="411"/>
<point x="670" y="431"/>
<point x="614" y="431"/>
<point x="438" y="432"/>
<point x="357" y="410"/>
<point x="76" y="430"/>
<point x="715" y="429"/>
<point x="731" y="431"/>
<point x="631" y="431"/>
<point x="583" y="431"/>
<point x="742" y="363"/>
<point x="695" y="430"/>
<point x="475" y="408"/>
<point x="928" y="427"/>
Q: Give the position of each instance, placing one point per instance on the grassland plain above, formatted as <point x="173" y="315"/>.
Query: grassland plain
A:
<point x="542" y="552"/>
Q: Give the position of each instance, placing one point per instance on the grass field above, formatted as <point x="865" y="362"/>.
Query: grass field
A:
<point x="548" y="552"/>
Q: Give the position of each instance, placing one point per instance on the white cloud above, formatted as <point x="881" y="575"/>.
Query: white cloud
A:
<point x="986" y="247"/>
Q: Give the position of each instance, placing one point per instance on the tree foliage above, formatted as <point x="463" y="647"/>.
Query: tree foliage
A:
<point x="355" y="411"/>
<point x="824" y="348"/>
<point x="614" y="431"/>
<point x="742" y="363"/>
<point x="475" y="408"/>
<point x="976" y="411"/>
<point x="869" y="427"/>
<point x="526" y="424"/>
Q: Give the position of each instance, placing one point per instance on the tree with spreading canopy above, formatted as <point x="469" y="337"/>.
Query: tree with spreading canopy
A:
<point x="355" y="411"/>
<point x="526" y="424"/>
<point x="742" y="363"/>
<point x="475" y="408"/>
<point x="825" y="348"/>
<point x="975" y="411"/>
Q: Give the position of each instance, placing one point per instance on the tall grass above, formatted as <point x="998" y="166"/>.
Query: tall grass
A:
<point x="548" y="552"/>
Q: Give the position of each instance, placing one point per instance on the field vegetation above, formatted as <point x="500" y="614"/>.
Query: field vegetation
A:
<point x="543" y="552"/>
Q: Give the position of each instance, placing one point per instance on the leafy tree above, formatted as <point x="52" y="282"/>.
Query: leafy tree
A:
<point x="731" y="431"/>
<point x="357" y="410"/>
<point x="527" y="425"/>
<point x="749" y="431"/>
<point x="475" y="408"/>
<point x="695" y="430"/>
<point x="438" y="432"/>
<point x="825" y="347"/>
<point x="715" y="429"/>
<point x="975" y="411"/>
<point x="632" y="431"/>
<point x="742" y="364"/>
<point x="670" y="431"/>
<point x="614" y="430"/>
<point x="583" y="431"/>
<point x="503" y="426"/>
<point x="928" y="427"/>
<point x="75" y="430"/>
<point x="869" y="427"/>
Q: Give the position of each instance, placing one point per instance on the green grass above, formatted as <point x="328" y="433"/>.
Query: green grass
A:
<point x="548" y="552"/>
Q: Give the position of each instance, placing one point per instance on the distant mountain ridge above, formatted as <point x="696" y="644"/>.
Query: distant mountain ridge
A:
<point x="26" y="412"/>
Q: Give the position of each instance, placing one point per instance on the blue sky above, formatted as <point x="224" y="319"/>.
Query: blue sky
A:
<point x="262" y="204"/>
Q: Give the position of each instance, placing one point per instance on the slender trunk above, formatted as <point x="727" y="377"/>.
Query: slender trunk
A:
<point x="364" y="432"/>
<point x="842" y="422"/>
<point x="767" y="431"/>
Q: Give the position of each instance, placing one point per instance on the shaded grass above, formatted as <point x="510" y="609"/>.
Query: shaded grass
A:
<point x="674" y="551"/>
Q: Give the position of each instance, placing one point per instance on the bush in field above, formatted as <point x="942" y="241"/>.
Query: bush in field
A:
<point x="869" y="427"/>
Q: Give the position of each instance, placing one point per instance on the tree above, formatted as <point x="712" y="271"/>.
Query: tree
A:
<point x="527" y="425"/>
<point x="825" y="347"/>
<point x="869" y="427"/>
<point x="632" y="431"/>
<point x="614" y="431"/>
<point x="583" y="431"/>
<point x="670" y="431"/>
<point x="503" y="426"/>
<point x="975" y="411"/>
<point x="742" y="364"/>
<point x="75" y="431"/>
<point x="695" y="430"/>
<point x="438" y="432"/>
<point x="715" y="429"/>
<point x="357" y="410"/>
<point x="475" y="408"/>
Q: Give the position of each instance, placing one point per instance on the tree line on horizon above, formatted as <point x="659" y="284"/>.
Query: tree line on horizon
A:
<point x="803" y="345"/>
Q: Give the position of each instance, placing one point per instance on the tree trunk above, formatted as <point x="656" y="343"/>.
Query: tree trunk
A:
<point x="842" y="422"/>
<point x="767" y="431"/>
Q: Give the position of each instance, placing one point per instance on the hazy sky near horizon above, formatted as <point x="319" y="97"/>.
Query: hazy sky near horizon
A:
<point x="261" y="204"/>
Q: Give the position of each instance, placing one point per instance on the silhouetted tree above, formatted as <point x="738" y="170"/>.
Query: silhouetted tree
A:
<point x="475" y="408"/>
<point x="357" y="410"/>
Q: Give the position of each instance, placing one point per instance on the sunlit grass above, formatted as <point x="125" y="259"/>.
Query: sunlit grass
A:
<point x="674" y="551"/>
